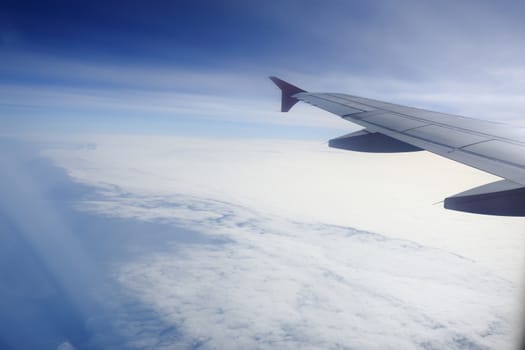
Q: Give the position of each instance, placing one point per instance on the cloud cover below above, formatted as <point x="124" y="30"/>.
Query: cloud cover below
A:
<point x="276" y="283"/>
<point x="277" y="277"/>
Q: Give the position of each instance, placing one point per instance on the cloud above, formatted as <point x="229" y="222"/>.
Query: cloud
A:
<point x="65" y="346"/>
<point x="48" y="94"/>
<point x="276" y="282"/>
<point x="282" y="274"/>
<point x="44" y="274"/>
<point x="278" y="176"/>
<point x="54" y="260"/>
<point x="160" y="257"/>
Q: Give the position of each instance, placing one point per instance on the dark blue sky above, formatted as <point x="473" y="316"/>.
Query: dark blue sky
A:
<point x="160" y="31"/>
<point x="248" y="32"/>
<point x="178" y="32"/>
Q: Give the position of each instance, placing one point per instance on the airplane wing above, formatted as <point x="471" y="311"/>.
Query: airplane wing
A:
<point x="495" y="148"/>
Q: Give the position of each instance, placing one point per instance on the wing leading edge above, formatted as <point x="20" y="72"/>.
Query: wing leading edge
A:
<point x="493" y="147"/>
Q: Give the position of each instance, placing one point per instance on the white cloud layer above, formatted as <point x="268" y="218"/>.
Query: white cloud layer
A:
<point x="276" y="283"/>
<point x="287" y="270"/>
<point x="309" y="182"/>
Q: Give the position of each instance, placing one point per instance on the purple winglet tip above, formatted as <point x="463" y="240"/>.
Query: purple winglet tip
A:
<point x="287" y="92"/>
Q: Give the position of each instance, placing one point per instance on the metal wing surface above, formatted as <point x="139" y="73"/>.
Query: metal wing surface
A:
<point x="496" y="148"/>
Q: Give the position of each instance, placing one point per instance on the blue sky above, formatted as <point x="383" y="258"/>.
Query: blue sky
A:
<point x="360" y="36"/>
<point x="128" y="67"/>
<point x="176" y="33"/>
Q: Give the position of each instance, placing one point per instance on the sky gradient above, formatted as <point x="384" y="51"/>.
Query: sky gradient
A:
<point x="200" y="68"/>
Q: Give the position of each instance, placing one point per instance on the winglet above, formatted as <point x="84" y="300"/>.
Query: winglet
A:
<point x="287" y="92"/>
